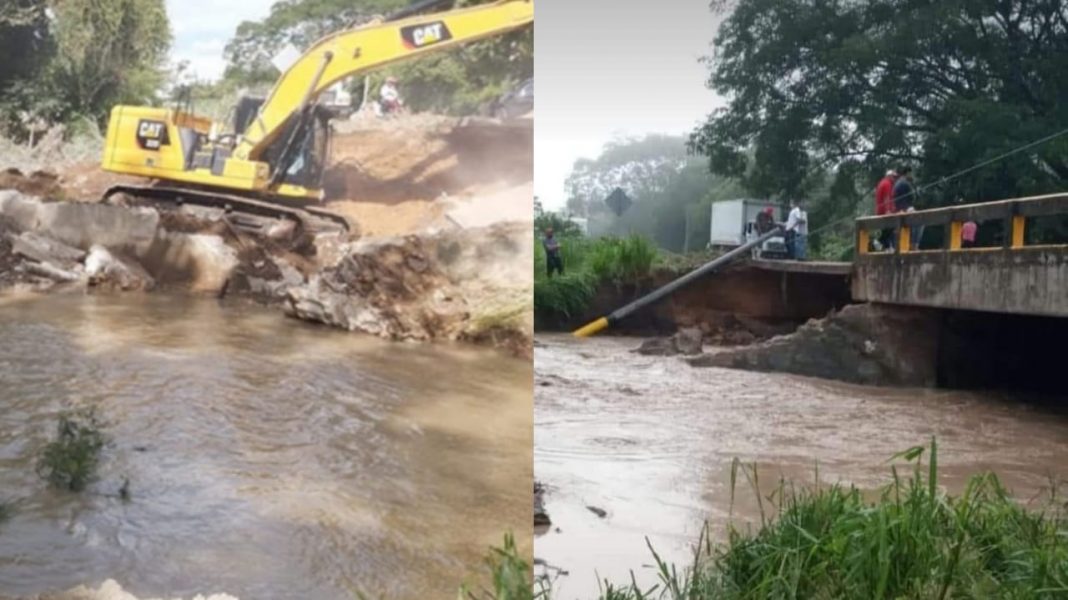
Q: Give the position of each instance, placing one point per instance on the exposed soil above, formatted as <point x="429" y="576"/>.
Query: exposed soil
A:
<point x="395" y="179"/>
<point x="38" y="183"/>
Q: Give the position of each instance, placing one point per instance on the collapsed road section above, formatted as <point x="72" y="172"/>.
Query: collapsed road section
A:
<point x="440" y="251"/>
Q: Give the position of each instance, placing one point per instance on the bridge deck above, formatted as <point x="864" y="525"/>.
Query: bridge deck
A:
<point x="794" y="266"/>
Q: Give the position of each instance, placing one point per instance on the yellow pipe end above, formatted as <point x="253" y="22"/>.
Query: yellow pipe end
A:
<point x="592" y="328"/>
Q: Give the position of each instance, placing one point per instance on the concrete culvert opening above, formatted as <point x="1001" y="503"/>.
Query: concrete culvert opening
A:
<point x="980" y="350"/>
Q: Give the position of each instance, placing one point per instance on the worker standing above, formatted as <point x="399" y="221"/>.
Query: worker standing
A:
<point x="390" y="102"/>
<point x="797" y="231"/>
<point x="884" y="205"/>
<point x="553" y="262"/>
<point x="904" y="199"/>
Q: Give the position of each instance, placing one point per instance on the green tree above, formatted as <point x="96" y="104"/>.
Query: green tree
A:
<point x="26" y="45"/>
<point x="850" y="88"/>
<point x="24" y="40"/>
<point x="107" y="52"/>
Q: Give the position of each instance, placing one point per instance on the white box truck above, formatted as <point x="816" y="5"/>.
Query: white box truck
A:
<point x="734" y="222"/>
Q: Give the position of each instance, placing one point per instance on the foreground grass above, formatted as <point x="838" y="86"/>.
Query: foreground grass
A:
<point x="588" y="263"/>
<point x="914" y="542"/>
<point x="510" y="574"/>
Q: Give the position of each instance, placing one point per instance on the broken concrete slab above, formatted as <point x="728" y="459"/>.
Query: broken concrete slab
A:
<point x="81" y="224"/>
<point x="85" y="225"/>
<point x="107" y="269"/>
<point x="39" y="248"/>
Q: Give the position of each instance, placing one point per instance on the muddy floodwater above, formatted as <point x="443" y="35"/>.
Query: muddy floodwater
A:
<point x="650" y="441"/>
<point x="266" y="458"/>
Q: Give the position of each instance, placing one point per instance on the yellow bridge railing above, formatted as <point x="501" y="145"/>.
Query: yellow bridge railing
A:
<point x="1013" y="213"/>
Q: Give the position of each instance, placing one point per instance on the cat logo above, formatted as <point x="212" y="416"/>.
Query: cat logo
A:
<point x="151" y="135"/>
<point x="427" y="34"/>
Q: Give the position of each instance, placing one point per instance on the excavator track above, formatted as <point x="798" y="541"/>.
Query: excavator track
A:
<point x="310" y="219"/>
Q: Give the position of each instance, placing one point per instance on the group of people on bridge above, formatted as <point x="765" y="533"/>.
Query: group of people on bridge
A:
<point x="896" y="193"/>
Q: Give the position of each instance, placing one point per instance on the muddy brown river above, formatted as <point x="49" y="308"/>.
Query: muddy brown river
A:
<point x="650" y="441"/>
<point x="267" y="458"/>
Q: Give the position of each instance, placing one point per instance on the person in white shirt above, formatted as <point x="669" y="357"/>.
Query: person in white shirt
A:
<point x="797" y="231"/>
<point x="390" y="96"/>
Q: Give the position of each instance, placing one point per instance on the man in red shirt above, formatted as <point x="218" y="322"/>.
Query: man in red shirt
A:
<point x="884" y="205"/>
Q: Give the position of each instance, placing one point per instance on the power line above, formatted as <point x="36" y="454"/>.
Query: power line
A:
<point x="960" y="173"/>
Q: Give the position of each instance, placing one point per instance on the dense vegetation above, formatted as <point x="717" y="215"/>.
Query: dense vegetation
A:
<point x="70" y="61"/>
<point x="588" y="263"/>
<point x="823" y="97"/>
<point x="914" y="541"/>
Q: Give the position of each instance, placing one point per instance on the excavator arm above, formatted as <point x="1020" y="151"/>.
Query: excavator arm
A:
<point x="369" y="47"/>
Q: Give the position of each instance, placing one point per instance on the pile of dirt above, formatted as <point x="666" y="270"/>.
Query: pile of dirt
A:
<point x="397" y="177"/>
<point x="43" y="184"/>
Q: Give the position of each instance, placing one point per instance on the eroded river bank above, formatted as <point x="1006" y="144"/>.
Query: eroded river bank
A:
<point x="267" y="458"/>
<point x="649" y="441"/>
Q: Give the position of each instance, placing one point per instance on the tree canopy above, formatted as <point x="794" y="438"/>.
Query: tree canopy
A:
<point x="856" y="87"/>
<point x="68" y="59"/>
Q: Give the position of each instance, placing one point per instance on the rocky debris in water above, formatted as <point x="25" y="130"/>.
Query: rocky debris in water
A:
<point x="457" y="285"/>
<point x="541" y="517"/>
<point x="41" y="249"/>
<point x="109" y="270"/>
<point x="686" y="341"/>
<point x="48" y="258"/>
<point x="863" y="343"/>
<point x="265" y="278"/>
<point x="390" y="288"/>
<point x="111" y="590"/>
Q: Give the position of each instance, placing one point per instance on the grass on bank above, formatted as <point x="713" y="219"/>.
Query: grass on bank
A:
<point x="915" y="542"/>
<point x="588" y="263"/>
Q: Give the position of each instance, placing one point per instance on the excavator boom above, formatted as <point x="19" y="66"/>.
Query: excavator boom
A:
<point x="370" y="47"/>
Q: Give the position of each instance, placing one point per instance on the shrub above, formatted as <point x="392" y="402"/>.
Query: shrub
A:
<point x="70" y="461"/>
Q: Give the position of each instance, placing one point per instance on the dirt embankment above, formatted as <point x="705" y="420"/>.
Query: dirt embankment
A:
<point x="443" y="207"/>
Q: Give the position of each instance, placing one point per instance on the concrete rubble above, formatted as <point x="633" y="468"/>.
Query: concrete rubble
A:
<point x="688" y="341"/>
<point x="452" y="284"/>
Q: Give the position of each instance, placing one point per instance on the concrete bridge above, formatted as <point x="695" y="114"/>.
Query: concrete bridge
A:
<point x="1006" y="275"/>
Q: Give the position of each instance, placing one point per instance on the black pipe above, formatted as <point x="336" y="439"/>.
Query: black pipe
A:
<point x="670" y="288"/>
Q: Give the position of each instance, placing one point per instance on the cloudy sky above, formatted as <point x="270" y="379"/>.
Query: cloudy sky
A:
<point x="614" y="67"/>
<point x="202" y="27"/>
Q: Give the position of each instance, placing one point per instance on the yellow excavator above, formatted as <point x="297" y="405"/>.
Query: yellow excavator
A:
<point x="270" y="161"/>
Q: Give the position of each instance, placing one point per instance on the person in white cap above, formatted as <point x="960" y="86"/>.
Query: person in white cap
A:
<point x="390" y="96"/>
